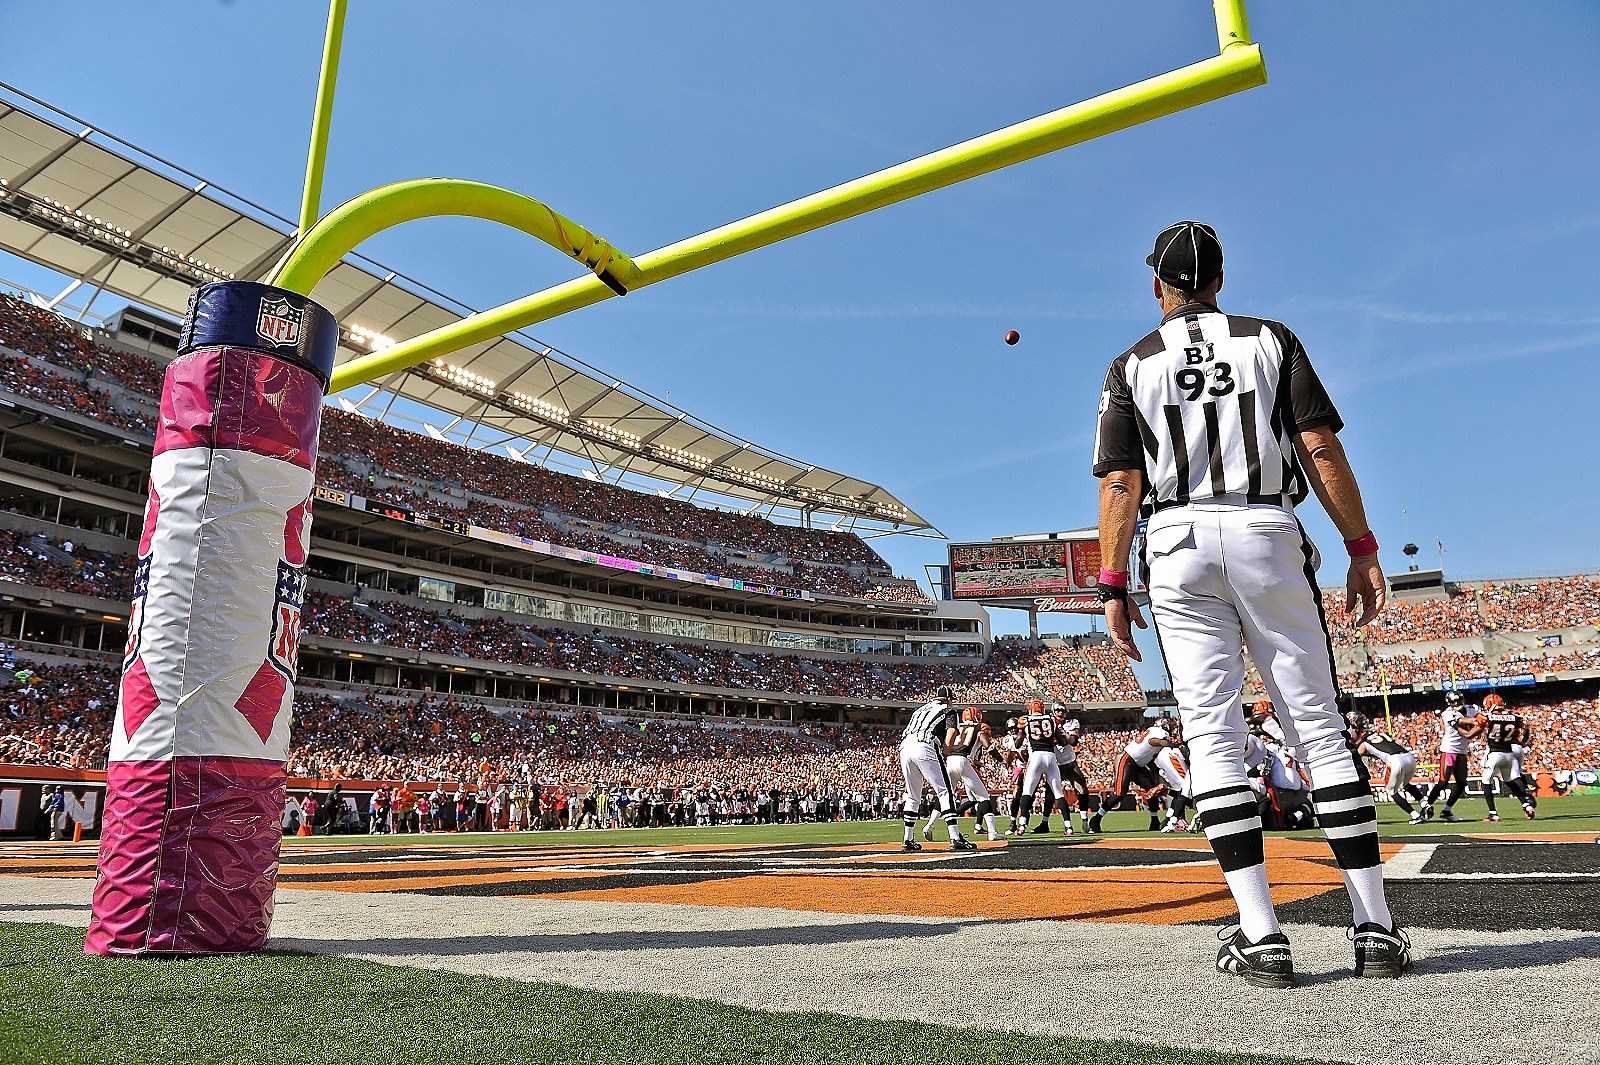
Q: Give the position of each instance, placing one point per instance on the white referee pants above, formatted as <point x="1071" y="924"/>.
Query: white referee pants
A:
<point x="1228" y="575"/>
<point x="923" y="763"/>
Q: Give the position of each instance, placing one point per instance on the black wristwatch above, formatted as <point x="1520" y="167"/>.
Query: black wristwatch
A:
<point x="1109" y="592"/>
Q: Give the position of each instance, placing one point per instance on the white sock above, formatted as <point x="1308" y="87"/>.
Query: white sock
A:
<point x="988" y="824"/>
<point x="1254" y="898"/>
<point x="1366" y="896"/>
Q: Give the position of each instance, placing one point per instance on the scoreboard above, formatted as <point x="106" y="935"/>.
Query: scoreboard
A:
<point x="1058" y="571"/>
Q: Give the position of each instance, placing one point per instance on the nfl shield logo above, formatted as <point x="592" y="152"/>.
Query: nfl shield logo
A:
<point x="278" y="322"/>
<point x="141" y="590"/>
<point x="283" y="649"/>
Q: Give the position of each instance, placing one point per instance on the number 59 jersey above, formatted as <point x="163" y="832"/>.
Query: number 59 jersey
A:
<point x="1209" y="405"/>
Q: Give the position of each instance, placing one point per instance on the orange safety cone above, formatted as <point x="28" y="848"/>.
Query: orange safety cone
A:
<point x="77" y="832"/>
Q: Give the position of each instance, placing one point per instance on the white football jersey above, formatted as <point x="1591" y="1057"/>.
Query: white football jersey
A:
<point x="1451" y="741"/>
<point x="1141" y="750"/>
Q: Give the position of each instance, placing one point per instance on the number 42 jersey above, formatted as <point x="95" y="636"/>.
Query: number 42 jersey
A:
<point x="1209" y="405"/>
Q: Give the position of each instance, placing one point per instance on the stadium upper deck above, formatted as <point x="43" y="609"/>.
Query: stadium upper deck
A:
<point x="368" y="459"/>
<point x="110" y="215"/>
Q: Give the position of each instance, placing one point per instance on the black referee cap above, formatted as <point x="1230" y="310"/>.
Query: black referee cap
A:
<point x="1188" y="255"/>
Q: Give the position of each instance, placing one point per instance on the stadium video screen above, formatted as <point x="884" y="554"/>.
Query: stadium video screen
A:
<point x="1024" y="569"/>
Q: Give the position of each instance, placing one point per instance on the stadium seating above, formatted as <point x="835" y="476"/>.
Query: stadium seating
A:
<point x="368" y="457"/>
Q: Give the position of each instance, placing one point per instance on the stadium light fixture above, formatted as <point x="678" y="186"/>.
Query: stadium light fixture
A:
<point x="1237" y="66"/>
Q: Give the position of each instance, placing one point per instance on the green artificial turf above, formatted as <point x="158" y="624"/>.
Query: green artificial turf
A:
<point x="1575" y="813"/>
<point x="58" y="1005"/>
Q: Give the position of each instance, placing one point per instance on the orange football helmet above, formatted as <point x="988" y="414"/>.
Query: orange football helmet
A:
<point x="1035" y="706"/>
<point x="1263" y="707"/>
<point x="971" y="714"/>
<point x="1492" y="701"/>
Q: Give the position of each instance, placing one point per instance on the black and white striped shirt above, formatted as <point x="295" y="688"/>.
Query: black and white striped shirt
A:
<point x="1209" y="405"/>
<point x="928" y="723"/>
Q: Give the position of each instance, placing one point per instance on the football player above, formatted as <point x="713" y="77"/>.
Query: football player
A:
<point x="1014" y="756"/>
<point x="1455" y="729"/>
<point x="1070" y="732"/>
<point x="1275" y="777"/>
<point x="1399" y="760"/>
<point x="1136" y="769"/>
<point x="1501" y="730"/>
<point x="1174" y="766"/>
<point x="965" y="744"/>
<point x="1041" y="732"/>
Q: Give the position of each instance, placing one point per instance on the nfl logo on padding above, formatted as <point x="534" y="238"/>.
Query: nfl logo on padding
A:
<point x="283" y="652"/>
<point x="141" y="590"/>
<point x="278" y="322"/>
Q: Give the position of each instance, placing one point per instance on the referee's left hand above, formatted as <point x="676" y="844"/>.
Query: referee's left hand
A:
<point x="1118" y="613"/>
<point x="1365" y="583"/>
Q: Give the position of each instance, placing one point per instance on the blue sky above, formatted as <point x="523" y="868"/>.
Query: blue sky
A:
<point x="1413" y="192"/>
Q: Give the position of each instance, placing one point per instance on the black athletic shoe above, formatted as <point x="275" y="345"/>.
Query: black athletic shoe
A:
<point x="961" y="843"/>
<point x="1263" y="964"/>
<point x="911" y="845"/>
<point x="1042" y="828"/>
<point x="1094" y="824"/>
<point x="1381" y="951"/>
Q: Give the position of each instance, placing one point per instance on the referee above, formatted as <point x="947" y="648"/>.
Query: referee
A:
<point x="922" y="756"/>
<point x="1215" y="426"/>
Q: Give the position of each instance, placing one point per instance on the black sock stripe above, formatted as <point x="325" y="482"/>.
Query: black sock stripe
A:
<point x="1226" y="815"/>
<point x="1357" y="852"/>
<point x="1239" y="850"/>
<point x="1346" y="818"/>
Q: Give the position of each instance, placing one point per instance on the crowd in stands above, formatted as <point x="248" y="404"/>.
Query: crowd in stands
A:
<point x="1417" y="667"/>
<point x="57" y="714"/>
<point x="1550" y="603"/>
<point x="896" y="593"/>
<point x="666" y="770"/>
<point x="369" y="445"/>
<point x="1075" y="671"/>
<point x="63" y="566"/>
<point x="394" y="624"/>
<point x="360" y="455"/>
<point x="1405" y="620"/>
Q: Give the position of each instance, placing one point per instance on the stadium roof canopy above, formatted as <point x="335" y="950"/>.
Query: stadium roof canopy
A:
<point x="116" y="218"/>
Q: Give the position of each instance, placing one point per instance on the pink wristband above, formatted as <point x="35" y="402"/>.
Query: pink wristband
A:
<point x="1114" y="578"/>
<point x="1366" y="544"/>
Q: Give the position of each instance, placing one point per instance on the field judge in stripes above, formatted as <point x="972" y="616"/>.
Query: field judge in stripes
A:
<point x="1215" y="426"/>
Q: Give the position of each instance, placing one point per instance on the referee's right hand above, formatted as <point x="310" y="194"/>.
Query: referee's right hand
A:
<point x="1118" y="613"/>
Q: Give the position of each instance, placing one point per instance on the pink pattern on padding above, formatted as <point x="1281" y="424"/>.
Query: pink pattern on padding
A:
<point x="262" y="699"/>
<point x="152" y="510"/>
<point x="188" y="856"/>
<point x="294" y="534"/>
<point x="139" y="699"/>
<point x="236" y="400"/>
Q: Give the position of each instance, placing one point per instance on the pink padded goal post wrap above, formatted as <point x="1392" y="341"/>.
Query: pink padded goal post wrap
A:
<point x="195" y="784"/>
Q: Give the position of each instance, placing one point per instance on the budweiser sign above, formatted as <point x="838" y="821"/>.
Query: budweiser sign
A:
<point x="1068" y="604"/>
